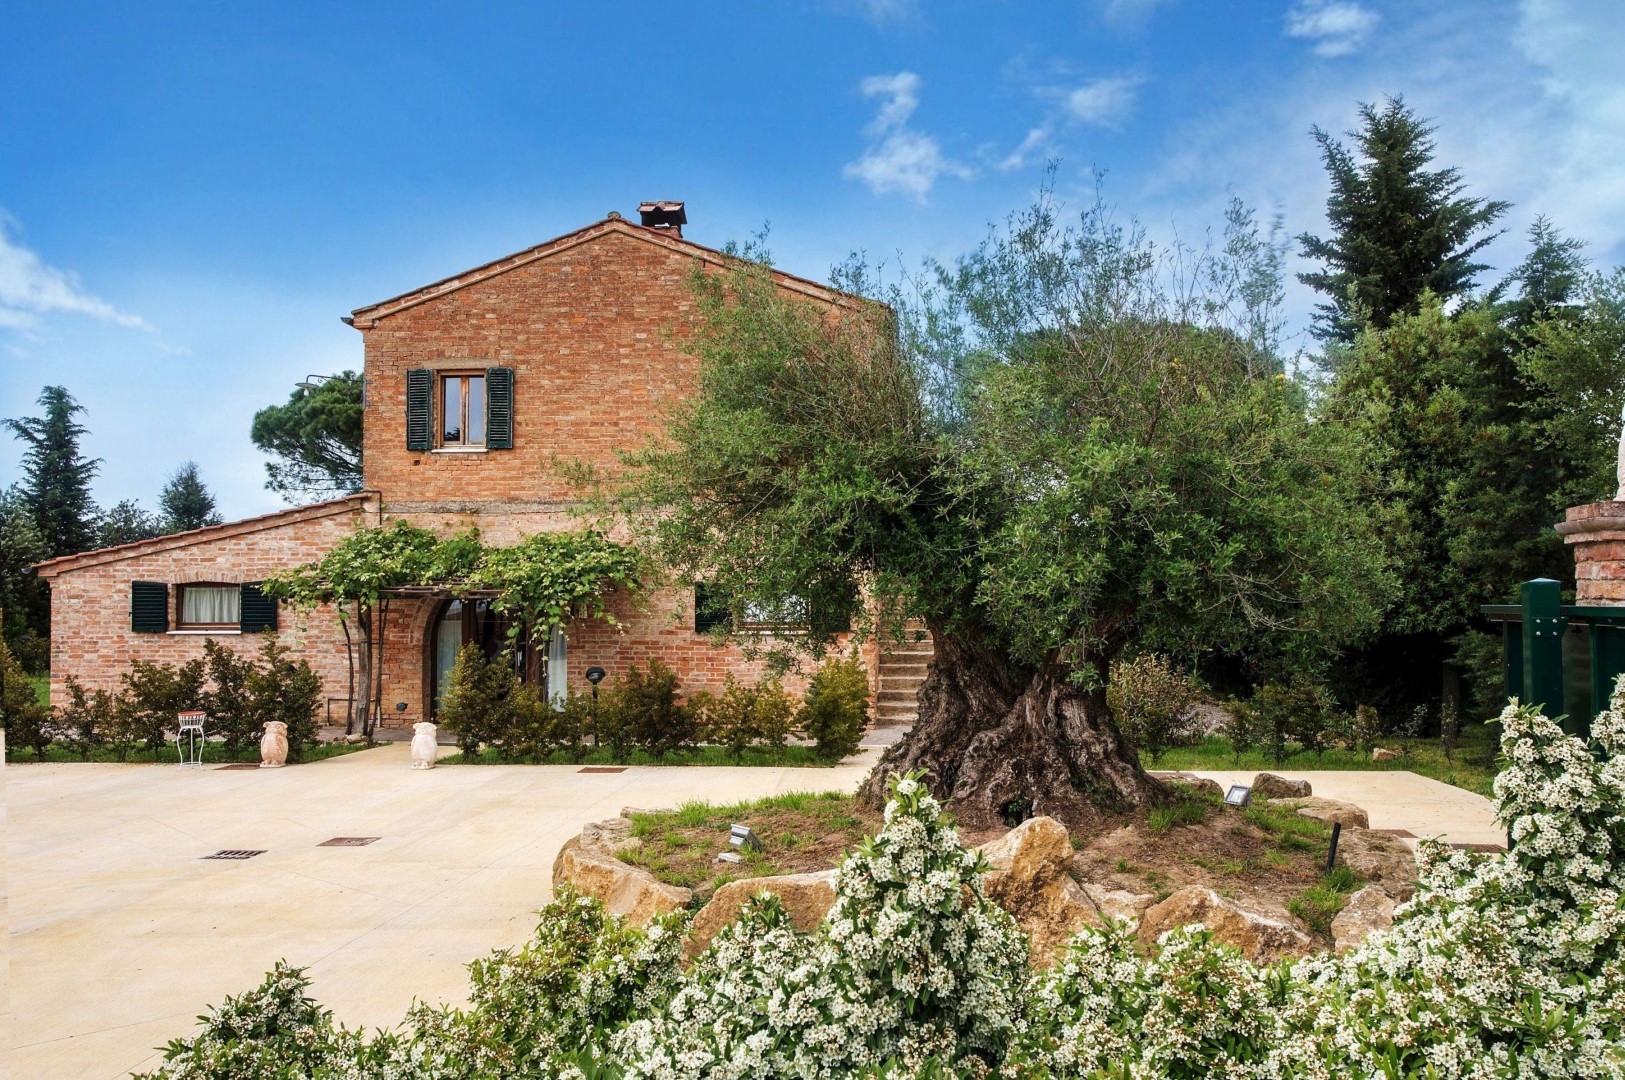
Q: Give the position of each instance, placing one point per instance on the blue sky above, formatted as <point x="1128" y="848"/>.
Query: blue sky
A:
<point x="191" y="195"/>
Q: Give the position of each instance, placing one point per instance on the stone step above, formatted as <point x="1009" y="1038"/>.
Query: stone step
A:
<point x="909" y="656"/>
<point x="904" y="666"/>
<point x="886" y="694"/>
<point x="911" y="686"/>
<point x="894" y="711"/>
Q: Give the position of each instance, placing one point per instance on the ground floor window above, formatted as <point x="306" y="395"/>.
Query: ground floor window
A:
<point x="209" y="607"/>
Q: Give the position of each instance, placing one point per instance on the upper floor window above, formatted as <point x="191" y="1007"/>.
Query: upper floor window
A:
<point x="462" y="409"/>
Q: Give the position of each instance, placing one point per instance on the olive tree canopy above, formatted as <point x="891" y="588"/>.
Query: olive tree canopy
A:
<point x="1069" y="445"/>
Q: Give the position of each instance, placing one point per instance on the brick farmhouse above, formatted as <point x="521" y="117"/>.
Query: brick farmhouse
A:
<point x="476" y="387"/>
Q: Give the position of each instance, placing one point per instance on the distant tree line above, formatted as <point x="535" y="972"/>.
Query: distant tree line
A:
<point x="50" y="512"/>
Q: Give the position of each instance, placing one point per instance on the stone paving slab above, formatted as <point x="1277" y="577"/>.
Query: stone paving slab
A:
<point x="121" y="932"/>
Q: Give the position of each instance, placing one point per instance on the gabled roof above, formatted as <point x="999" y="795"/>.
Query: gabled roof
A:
<point x="364" y="318"/>
<point x="50" y="568"/>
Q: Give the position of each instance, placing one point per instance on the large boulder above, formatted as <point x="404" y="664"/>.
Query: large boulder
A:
<point x="1367" y="910"/>
<point x="1033" y="853"/>
<point x="1030" y="879"/>
<point x="1269" y="786"/>
<point x="1196" y="785"/>
<point x="1118" y="905"/>
<point x="806" y="898"/>
<point x="590" y="862"/>
<point x="1331" y="811"/>
<point x="1259" y="937"/>
<point x="1380" y="858"/>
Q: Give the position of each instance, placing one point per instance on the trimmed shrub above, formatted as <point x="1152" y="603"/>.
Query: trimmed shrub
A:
<point x="644" y="711"/>
<point x="151" y="697"/>
<point x="835" y="710"/>
<point x="281" y="689"/>
<point x="476" y="702"/>
<point x="27" y="722"/>
<point x="85" y="719"/>
<point x="232" y="714"/>
<point x="743" y="716"/>
<point x="1300" y="715"/>
<point x="1154" y="704"/>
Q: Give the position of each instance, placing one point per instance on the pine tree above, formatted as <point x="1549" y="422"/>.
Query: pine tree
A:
<point x="126" y="523"/>
<point x="185" y="502"/>
<point x="56" y="476"/>
<point x="1398" y="229"/>
<point x="1549" y="278"/>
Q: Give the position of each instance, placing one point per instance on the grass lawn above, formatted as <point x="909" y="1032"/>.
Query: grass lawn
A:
<point x="213" y="754"/>
<point x="1470" y="766"/>
<point x="42" y="688"/>
<point x="799" y="756"/>
<point x="799" y="832"/>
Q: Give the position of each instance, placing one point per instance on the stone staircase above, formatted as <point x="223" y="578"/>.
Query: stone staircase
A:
<point x="901" y="671"/>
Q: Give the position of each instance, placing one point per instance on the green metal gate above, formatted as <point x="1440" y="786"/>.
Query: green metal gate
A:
<point x="1563" y="657"/>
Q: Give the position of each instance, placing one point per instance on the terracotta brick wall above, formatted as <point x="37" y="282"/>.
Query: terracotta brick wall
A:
<point x="91" y="638"/>
<point x="588" y="332"/>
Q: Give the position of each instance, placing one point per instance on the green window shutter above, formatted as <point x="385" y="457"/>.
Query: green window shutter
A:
<point x="499" y="408"/>
<point x="710" y="608"/>
<point x="149" y="607"/>
<point x="258" y="610"/>
<point x="419" y="409"/>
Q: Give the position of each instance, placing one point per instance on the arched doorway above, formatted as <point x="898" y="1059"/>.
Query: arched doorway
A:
<point x="461" y="622"/>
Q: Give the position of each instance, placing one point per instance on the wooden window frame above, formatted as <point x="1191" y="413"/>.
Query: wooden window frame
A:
<point x="440" y="381"/>
<point x="180" y="605"/>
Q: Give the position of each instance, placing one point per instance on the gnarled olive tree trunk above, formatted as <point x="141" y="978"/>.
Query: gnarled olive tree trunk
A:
<point x="1000" y="743"/>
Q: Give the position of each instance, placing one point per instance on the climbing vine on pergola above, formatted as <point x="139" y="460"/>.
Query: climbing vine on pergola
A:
<point x="542" y="581"/>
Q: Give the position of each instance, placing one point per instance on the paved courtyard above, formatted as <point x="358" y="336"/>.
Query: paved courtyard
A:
<point x="121" y="932"/>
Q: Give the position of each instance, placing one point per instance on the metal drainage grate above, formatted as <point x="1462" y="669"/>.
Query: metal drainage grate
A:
<point x="1478" y="847"/>
<point x="241" y="765"/>
<point x="348" y="841"/>
<point x="235" y="853"/>
<point x="602" y="768"/>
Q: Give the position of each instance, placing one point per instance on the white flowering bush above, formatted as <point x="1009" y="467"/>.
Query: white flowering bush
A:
<point x="274" y="1030"/>
<point x="912" y="963"/>
<point x="1503" y="965"/>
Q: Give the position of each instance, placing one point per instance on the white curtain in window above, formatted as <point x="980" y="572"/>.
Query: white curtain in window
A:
<point x="211" y="605"/>
<point x="558" y="667"/>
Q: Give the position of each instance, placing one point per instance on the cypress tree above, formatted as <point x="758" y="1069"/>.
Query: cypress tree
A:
<point x="185" y="502"/>
<point x="56" y="476"/>
<point x="1399" y="229"/>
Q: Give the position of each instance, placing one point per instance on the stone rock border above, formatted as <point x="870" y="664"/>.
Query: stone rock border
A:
<point x="1029" y="876"/>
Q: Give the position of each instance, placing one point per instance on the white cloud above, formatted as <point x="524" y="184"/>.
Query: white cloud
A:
<point x="1337" y="27"/>
<point x="1103" y="102"/>
<point x="899" y="158"/>
<point x="1128" y="14"/>
<point x="1037" y="142"/>
<point x="31" y="288"/>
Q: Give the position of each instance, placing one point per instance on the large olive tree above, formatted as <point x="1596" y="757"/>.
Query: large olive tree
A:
<point x="1067" y="446"/>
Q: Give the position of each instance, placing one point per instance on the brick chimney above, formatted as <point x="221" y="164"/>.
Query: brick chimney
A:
<point x="663" y="214"/>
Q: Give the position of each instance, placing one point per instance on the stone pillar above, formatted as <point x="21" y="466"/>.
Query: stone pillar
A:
<point x="1596" y="532"/>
